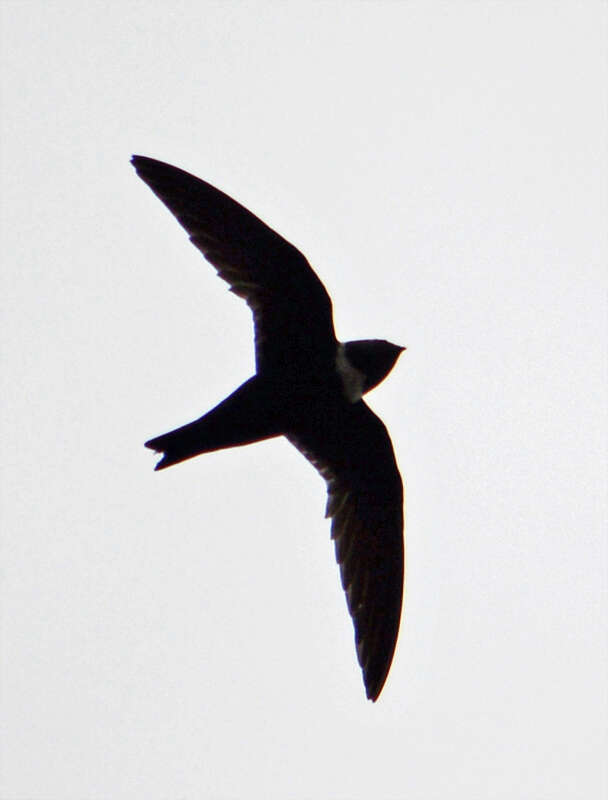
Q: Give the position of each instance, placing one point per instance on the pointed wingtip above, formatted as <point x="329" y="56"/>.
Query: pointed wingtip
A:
<point x="140" y="161"/>
<point x="374" y="691"/>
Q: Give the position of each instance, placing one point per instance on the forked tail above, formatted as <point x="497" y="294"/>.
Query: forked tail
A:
<point x="248" y="415"/>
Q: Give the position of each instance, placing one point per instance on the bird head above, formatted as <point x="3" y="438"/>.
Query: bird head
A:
<point x="375" y="358"/>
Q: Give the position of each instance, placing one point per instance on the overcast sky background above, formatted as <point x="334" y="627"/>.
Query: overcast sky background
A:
<point x="184" y="634"/>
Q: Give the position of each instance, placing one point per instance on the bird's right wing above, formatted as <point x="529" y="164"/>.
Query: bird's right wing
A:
<point x="292" y="311"/>
<point x="350" y="446"/>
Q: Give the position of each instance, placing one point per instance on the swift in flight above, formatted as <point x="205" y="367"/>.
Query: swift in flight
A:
<point x="308" y="387"/>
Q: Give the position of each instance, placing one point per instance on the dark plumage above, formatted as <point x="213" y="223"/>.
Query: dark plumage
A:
<point x="308" y="387"/>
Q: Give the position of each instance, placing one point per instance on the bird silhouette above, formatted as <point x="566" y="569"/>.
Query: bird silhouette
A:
<point x="308" y="387"/>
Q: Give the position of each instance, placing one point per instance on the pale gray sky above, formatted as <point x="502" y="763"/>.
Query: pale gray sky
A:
<point x="184" y="634"/>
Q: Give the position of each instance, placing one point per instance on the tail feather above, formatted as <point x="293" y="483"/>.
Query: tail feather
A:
<point x="179" y="445"/>
<point x="247" y="415"/>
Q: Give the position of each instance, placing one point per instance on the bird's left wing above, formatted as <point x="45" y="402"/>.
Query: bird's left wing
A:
<point x="350" y="447"/>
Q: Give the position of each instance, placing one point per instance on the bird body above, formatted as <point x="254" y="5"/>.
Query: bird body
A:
<point x="308" y="387"/>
